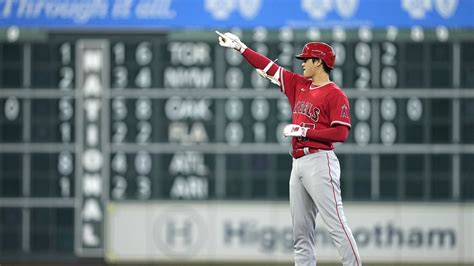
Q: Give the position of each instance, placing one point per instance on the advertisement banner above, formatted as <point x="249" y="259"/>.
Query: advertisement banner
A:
<point x="261" y="232"/>
<point x="165" y="14"/>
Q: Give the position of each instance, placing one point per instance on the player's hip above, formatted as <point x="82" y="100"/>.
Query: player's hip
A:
<point x="309" y="152"/>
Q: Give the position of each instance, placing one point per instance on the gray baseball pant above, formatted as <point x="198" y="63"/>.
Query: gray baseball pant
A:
<point x="315" y="188"/>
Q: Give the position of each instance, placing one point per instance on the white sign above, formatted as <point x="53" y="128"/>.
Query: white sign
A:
<point x="261" y="232"/>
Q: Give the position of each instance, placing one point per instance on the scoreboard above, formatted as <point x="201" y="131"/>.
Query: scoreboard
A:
<point x="89" y="117"/>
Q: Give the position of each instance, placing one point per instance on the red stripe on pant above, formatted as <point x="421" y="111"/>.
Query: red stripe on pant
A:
<point x="337" y="211"/>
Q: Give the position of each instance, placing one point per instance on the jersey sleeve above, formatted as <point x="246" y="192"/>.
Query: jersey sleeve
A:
<point x="339" y="112"/>
<point x="286" y="78"/>
<point x="288" y="81"/>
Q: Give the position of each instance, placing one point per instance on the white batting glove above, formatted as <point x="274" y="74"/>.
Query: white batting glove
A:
<point x="265" y="75"/>
<point x="231" y="40"/>
<point x="293" y="130"/>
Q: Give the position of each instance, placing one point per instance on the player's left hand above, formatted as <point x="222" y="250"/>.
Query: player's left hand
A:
<point x="293" y="130"/>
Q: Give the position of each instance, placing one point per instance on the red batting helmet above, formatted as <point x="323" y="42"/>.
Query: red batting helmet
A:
<point x="318" y="50"/>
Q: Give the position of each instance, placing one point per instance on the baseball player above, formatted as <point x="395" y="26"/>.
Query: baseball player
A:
<point x="320" y="117"/>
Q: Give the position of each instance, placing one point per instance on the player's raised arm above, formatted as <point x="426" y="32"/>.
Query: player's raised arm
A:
<point x="264" y="66"/>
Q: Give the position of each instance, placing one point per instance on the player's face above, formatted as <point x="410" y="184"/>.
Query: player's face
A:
<point x="309" y="67"/>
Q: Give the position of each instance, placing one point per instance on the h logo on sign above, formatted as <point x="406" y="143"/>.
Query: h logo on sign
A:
<point x="179" y="233"/>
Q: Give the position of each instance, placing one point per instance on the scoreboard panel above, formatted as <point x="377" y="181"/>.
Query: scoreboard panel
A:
<point x="92" y="117"/>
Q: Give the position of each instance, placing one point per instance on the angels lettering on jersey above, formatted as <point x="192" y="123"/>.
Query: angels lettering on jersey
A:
<point x="307" y="109"/>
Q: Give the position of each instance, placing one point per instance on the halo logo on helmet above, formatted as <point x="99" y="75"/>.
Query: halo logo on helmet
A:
<point x="318" y="50"/>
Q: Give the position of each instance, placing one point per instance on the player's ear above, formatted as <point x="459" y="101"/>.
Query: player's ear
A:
<point x="316" y="61"/>
<point x="320" y="62"/>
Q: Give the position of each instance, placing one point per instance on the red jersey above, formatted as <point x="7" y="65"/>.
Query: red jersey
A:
<point x="314" y="107"/>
